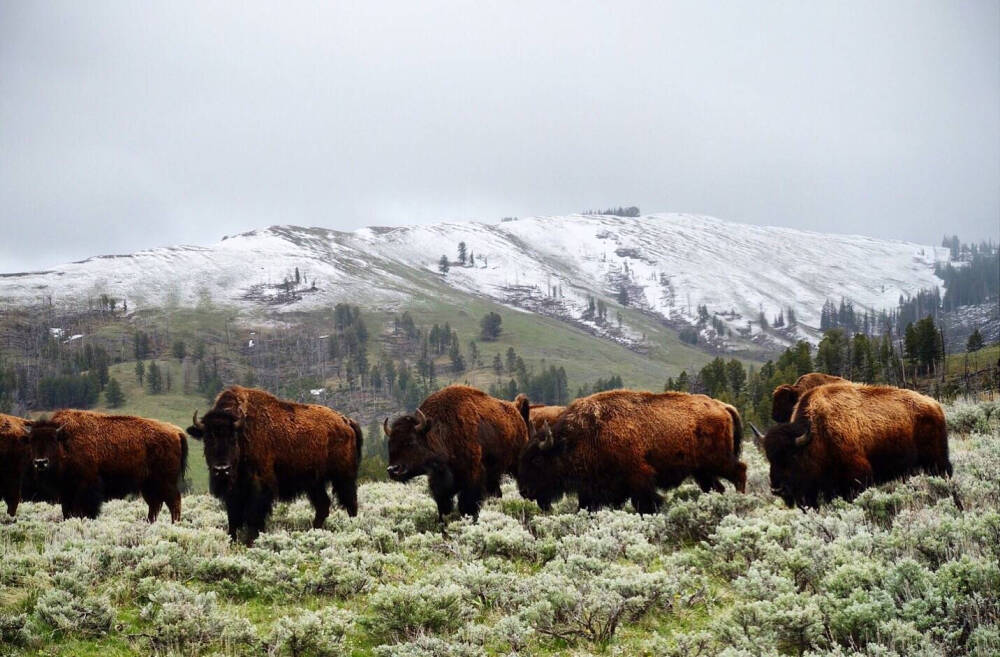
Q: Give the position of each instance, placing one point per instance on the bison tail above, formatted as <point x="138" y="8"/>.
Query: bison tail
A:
<point x="523" y="406"/>
<point x="182" y="475"/>
<point x="737" y="431"/>
<point x="359" y="440"/>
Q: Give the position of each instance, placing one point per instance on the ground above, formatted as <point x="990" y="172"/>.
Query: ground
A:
<point x="900" y="571"/>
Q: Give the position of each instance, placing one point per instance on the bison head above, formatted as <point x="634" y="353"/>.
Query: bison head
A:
<point x="785" y="398"/>
<point x="48" y="441"/>
<point x="538" y="476"/>
<point x="222" y="432"/>
<point x="793" y="474"/>
<point x="410" y="453"/>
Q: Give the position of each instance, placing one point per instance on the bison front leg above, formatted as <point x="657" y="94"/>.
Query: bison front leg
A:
<point x="321" y="502"/>
<point x="442" y="487"/>
<point x="469" y="500"/>
<point x="234" y="515"/>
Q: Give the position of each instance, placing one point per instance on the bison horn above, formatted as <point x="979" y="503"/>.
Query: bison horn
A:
<point x="385" y="426"/>
<point x="803" y="439"/>
<point x="758" y="437"/>
<point x="421" y="420"/>
<point x="195" y="422"/>
<point x="549" y="441"/>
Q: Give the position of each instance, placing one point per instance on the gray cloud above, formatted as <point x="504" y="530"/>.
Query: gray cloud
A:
<point x="125" y="126"/>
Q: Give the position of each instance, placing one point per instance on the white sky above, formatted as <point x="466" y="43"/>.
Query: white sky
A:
<point x="132" y="125"/>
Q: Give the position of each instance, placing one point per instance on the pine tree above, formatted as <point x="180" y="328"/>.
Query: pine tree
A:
<point x="154" y="379"/>
<point x="444" y="265"/>
<point x="975" y="342"/>
<point x="461" y="253"/>
<point x="114" y="395"/>
<point x="140" y="371"/>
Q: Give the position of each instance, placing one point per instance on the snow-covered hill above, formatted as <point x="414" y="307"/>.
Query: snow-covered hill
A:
<point x="669" y="264"/>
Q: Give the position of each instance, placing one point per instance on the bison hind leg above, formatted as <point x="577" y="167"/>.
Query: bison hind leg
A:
<point x="321" y="503"/>
<point x="347" y="495"/>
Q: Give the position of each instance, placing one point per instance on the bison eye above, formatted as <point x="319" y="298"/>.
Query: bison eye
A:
<point x="538" y="460"/>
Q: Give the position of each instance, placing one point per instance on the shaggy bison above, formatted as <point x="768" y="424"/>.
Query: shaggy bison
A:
<point x="623" y="444"/>
<point x="88" y="457"/>
<point x="787" y="396"/>
<point x="14" y="452"/>
<point x="463" y="440"/>
<point x="260" y="448"/>
<point x="844" y="438"/>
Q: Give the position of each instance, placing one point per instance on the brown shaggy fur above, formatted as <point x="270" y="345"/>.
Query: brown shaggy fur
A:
<point x="91" y="457"/>
<point x="856" y="436"/>
<point x="787" y="396"/>
<point x="282" y="450"/>
<point x="624" y="444"/>
<point x="14" y="453"/>
<point x="469" y="442"/>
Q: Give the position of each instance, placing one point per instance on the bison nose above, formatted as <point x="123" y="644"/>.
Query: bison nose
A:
<point x="395" y="469"/>
<point x="41" y="464"/>
<point x="221" y="469"/>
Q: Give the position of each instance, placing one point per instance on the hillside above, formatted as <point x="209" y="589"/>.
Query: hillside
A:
<point x="664" y="266"/>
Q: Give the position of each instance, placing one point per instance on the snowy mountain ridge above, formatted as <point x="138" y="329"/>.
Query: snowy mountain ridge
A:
<point x="667" y="265"/>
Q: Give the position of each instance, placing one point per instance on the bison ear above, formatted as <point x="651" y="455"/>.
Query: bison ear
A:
<point x="195" y="432"/>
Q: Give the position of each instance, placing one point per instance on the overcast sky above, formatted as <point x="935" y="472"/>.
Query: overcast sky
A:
<point x="132" y="125"/>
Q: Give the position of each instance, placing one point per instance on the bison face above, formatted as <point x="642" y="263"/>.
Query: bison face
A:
<point x="793" y="477"/>
<point x="538" y="476"/>
<point x="48" y="442"/>
<point x="410" y="453"/>
<point x="221" y="432"/>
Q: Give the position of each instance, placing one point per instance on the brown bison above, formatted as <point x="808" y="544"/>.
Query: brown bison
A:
<point x="260" y="448"/>
<point x="463" y="440"/>
<point x="89" y="457"/>
<point x="787" y="396"/>
<point x="844" y="438"/>
<point x="14" y="457"/>
<point x="624" y="444"/>
<point x="540" y="414"/>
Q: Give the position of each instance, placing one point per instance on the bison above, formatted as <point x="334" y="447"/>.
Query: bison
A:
<point x="14" y="453"/>
<point x="540" y="414"/>
<point x="89" y="457"/>
<point x="619" y="445"/>
<point x="844" y="438"/>
<point x="260" y="448"/>
<point x="787" y="396"/>
<point x="463" y="440"/>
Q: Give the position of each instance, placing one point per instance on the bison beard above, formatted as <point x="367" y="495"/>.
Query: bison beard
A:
<point x="622" y="445"/>
<point x="260" y="448"/>
<point x="844" y="438"/>
<point x="88" y="457"/>
<point x="463" y="440"/>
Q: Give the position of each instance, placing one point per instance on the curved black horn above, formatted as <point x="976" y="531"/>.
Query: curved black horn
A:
<point x="385" y="426"/>
<point x="421" y="420"/>
<point x="195" y="422"/>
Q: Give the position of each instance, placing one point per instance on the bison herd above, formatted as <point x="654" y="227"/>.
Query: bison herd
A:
<point x="832" y="438"/>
